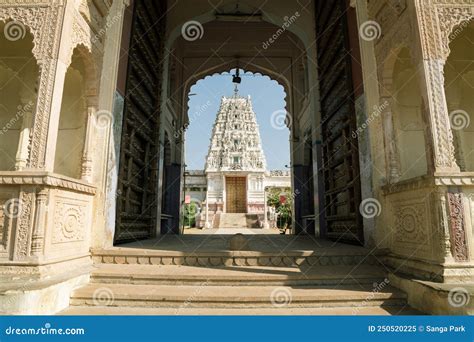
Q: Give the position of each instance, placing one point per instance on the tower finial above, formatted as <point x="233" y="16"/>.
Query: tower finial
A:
<point x="236" y="90"/>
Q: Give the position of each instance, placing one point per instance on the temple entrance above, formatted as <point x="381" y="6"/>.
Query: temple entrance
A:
<point x="320" y="179"/>
<point x="236" y="194"/>
<point x="365" y="145"/>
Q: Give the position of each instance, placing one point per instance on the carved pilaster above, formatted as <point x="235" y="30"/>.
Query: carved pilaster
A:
<point x="24" y="216"/>
<point x="37" y="241"/>
<point x="86" y="166"/>
<point x="436" y="21"/>
<point x="26" y="113"/>
<point x="393" y="161"/>
<point x="459" y="248"/>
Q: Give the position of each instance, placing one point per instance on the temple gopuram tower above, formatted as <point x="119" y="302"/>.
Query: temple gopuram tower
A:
<point x="235" y="165"/>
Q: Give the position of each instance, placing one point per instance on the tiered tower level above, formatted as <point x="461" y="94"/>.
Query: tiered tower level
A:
<point x="235" y="143"/>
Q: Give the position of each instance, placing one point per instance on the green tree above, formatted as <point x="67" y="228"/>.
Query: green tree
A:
<point x="283" y="209"/>
<point x="191" y="210"/>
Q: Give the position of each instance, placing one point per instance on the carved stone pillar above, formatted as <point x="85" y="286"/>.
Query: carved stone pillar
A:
<point x="27" y="107"/>
<point x="457" y="139"/>
<point x="392" y="159"/>
<point x="432" y="58"/>
<point x="265" y="208"/>
<point x="442" y="142"/>
<point x="86" y="166"/>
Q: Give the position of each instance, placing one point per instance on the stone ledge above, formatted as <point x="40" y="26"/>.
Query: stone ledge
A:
<point x="46" y="179"/>
<point x="430" y="271"/>
<point x="234" y="260"/>
<point x="434" y="298"/>
<point x="423" y="182"/>
<point x="15" y="274"/>
<point x="408" y="185"/>
<point x="46" y="299"/>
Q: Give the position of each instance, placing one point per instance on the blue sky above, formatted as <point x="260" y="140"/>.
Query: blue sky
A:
<point x="267" y="97"/>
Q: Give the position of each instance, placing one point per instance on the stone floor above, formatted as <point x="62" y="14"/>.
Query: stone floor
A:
<point x="264" y="243"/>
<point x="230" y="231"/>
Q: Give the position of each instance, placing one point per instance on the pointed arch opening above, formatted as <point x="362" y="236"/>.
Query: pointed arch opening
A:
<point x="78" y="103"/>
<point x="459" y="87"/>
<point x="237" y="154"/>
<point x="19" y="74"/>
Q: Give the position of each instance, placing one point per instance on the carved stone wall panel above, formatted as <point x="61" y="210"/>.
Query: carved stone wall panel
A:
<point x="459" y="246"/>
<point x="69" y="222"/>
<point x="411" y="234"/>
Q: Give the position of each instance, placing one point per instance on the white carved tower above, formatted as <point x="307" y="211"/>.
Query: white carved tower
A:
<point x="235" y="164"/>
<point x="235" y="142"/>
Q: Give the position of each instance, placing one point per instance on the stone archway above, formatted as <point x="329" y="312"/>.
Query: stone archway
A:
<point x="221" y="45"/>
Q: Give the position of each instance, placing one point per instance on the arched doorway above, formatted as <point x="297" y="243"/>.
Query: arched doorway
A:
<point x="237" y="156"/>
<point x="222" y="43"/>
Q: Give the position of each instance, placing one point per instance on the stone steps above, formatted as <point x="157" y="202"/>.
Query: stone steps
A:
<point x="241" y="276"/>
<point x="282" y="275"/>
<point x="342" y="310"/>
<point x="233" y="220"/>
<point x="214" y="258"/>
<point x="210" y="296"/>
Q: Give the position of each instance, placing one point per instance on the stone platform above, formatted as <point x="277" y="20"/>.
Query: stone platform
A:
<point x="213" y="250"/>
<point x="198" y="274"/>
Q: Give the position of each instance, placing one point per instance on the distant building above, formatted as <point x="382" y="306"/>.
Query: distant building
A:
<point x="235" y="175"/>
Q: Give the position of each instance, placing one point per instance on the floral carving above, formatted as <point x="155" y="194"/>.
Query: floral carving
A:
<point x="410" y="222"/>
<point x="24" y="225"/>
<point x="459" y="247"/>
<point x="69" y="221"/>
